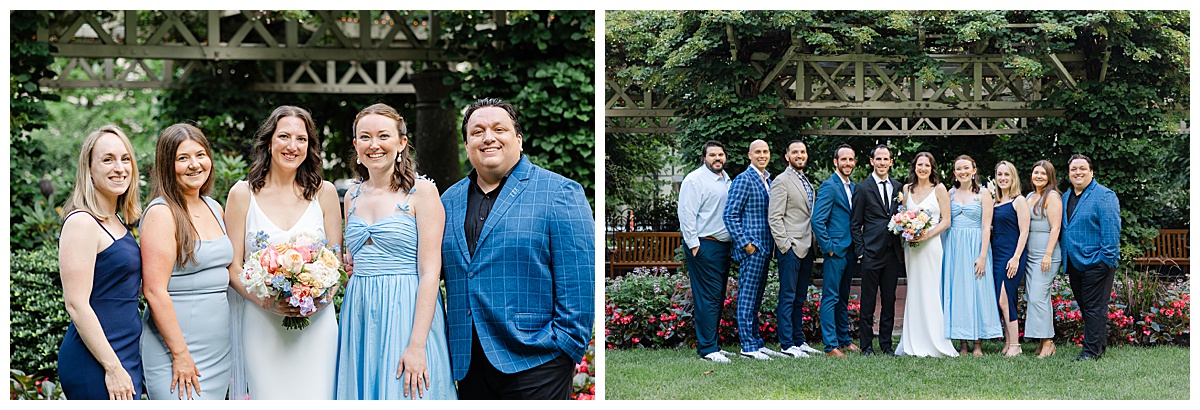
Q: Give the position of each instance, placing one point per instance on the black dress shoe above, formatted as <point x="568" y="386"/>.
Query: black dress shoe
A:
<point x="888" y="351"/>
<point x="867" y="351"/>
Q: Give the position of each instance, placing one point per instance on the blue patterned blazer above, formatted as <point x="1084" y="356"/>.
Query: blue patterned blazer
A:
<point x="529" y="291"/>
<point x="1093" y="233"/>
<point x="831" y="217"/>
<point x="746" y="214"/>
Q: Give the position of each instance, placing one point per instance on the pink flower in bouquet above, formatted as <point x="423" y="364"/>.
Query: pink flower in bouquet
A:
<point x="269" y="259"/>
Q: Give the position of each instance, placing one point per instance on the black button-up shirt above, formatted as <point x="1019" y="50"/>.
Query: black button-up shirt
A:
<point x="479" y="206"/>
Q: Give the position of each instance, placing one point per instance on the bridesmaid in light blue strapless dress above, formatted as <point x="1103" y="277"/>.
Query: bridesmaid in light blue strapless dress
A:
<point x="198" y="293"/>
<point x="970" y="303"/>
<point x="378" y="309"/>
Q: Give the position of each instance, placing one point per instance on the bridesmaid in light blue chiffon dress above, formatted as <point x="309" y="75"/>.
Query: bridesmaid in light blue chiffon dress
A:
<point x="969" y="302"/>
<point x="382" y="300"/>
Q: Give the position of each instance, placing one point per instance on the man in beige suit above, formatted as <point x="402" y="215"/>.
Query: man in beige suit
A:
<point x="789" y="214"/>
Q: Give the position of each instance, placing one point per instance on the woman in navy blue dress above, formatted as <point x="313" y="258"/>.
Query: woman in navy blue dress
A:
<point x="1010" y="230"/>
<point x="101" y="270"/>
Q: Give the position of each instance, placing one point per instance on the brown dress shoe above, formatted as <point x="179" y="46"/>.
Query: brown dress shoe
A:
<point x="853" y="348"/>
<point x="836" y="353"/>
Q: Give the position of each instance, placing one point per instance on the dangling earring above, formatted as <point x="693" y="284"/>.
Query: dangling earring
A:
<point x="357" y="160"/>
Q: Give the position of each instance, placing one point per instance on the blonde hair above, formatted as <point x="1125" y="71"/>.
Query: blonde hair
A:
<point x="84" y="195"/>
<point x="1014" y="189"/>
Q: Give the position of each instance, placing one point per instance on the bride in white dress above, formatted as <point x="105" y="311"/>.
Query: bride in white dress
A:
<point x="284" y="190"/>
<point x="921" y="334"/>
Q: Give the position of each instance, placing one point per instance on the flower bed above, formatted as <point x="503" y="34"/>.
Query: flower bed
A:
<point x="653" y="308"/>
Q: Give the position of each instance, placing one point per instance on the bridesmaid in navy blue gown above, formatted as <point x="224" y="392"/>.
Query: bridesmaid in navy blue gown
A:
<point x="1010" y="230"/>
<point x="101" y="266"/>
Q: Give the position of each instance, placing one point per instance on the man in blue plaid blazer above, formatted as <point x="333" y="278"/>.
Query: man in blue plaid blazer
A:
<point x="518" y="257"/>
<point x="831" y="226"/>
<point x="746" y="219"/>
<point x="1091" y="241"/>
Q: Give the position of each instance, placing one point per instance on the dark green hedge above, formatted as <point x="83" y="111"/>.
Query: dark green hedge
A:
<point x="38" y="318"/>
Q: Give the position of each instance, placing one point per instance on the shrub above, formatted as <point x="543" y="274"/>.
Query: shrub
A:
<point x="1144" y="310"/>
<point x="25" y="387"/>
<point x="38" y="318"/>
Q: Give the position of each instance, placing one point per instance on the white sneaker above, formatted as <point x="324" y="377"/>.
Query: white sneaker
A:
<point x="808" y="349"/>
<point x="755" y="355"/>
<point x="716" y="357"/>
<point x="770" y="352"/>
<point x="796" y="352"/>
<point x="727" y="353"/>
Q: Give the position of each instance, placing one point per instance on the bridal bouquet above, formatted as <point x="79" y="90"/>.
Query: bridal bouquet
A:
<point x="298" y="271"/>
<point x="910" y="224"/>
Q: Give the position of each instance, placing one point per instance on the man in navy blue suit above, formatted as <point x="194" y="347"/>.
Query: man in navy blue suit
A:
<point x="831" y="226"/>
<point x="746" y="219"/>
<point x="1091" y="241"/>
<point x="518" y="257"/>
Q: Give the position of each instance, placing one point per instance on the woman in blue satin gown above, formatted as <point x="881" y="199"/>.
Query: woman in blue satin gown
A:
<point x="392" y="334"/>
<point x="967" y="293"/>
<point x="1042" y="255"/>
<point x="101" y="274"/>
<point x="185" y="260"/>
<point x="1010" y="230"/>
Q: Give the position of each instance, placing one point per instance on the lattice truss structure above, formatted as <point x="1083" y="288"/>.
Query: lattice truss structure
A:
<point x="332" y="52"/>
<point x="635" y="109"/>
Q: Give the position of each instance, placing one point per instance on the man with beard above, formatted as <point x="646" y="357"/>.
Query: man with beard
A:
<point x="831" y="224"/>
<point x="746" y="218"/>
<point x="702" y="199"/>
<point x="874" y="204"/>
<point x="790" y="217"/>
<point x="1091" y="236"/>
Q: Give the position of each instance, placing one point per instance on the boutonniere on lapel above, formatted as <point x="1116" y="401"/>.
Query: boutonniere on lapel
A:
<point x="899" y="198"/>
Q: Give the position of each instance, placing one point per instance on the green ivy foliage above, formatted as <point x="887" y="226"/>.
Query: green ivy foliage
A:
<point x="38" y="320"/>
<point x="543" y="63"/>
<point x="29" y="62"/>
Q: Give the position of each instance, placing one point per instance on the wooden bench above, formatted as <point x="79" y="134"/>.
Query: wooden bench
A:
<point x="1170" y="249"/>
<point x="650" y="249"/>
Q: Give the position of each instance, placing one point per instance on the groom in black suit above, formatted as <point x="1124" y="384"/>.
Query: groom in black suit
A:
<point x="880" y="250"/>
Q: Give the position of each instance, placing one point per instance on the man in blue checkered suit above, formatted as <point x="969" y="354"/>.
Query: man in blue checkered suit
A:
<point x="1091" y="241"/>
<point x="518" y="257"/>
<point x="746" y="219"/>
<point x="831" y="226"/>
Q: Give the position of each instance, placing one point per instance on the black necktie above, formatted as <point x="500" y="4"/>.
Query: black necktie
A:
<point x="883" y="191"/>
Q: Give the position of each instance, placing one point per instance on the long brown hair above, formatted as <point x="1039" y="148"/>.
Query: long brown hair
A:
<point x="933" y="173"/>
<point x="309" y="175"/>
<point x="84" y="195"/>
<point x="974" y="180"/>
<point x="404" y="173"/>
<point x="1051" y="186"/>
<point x="165" y="185"/>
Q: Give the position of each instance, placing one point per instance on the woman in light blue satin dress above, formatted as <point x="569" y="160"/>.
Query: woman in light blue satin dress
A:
<point x="186" y="341"/>
<point x="392" y="336"/>
<point x="1042" y="256"/>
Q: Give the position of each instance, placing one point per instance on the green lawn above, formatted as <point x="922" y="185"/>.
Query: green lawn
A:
<point x="1123" y="373"/>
